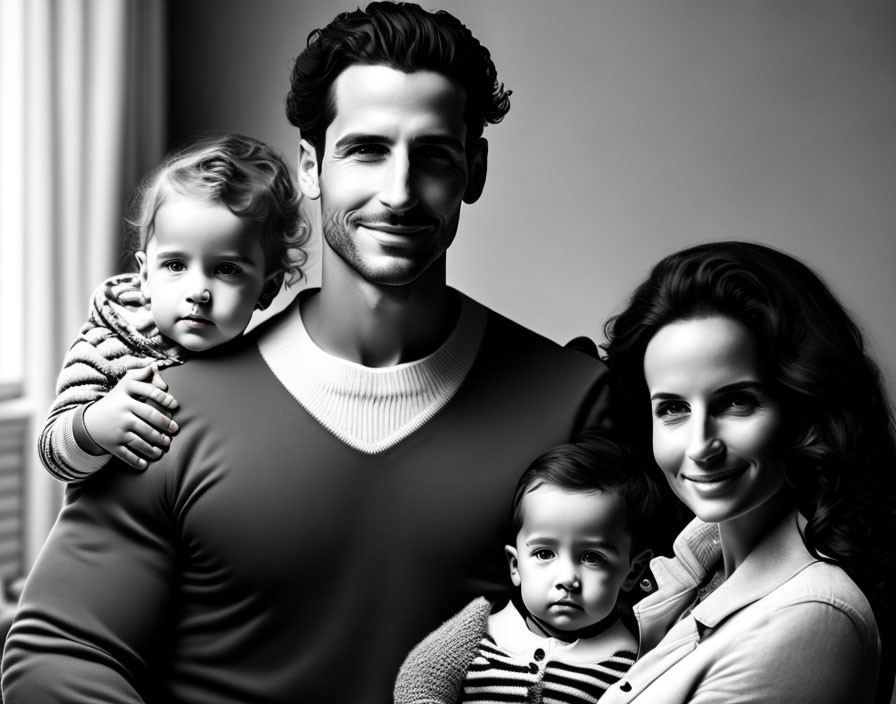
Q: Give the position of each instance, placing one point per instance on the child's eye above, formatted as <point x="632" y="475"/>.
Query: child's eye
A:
<point x="228" y="269"/>
<point x="591" y="557"/>
<point x="175" y="266"/>
<point x="543" y="554"/>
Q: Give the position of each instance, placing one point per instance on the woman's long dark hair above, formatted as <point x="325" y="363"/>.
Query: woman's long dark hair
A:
<point x="840" y="450"/>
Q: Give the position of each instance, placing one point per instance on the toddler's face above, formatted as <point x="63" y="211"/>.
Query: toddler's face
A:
<point x="203" y="271"/>
<point x="571" y="556"/>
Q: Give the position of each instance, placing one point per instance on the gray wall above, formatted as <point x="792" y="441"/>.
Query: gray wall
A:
<point x="637" y="127"/>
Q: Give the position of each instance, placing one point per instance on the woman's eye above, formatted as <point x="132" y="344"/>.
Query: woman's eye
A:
<point x="741" y="403"/>
<point x="671" y="409"/>
<point x="228" y="269"/>
<point x="592" y="558"/>
<point x="543" y="554"/>
<point x="175" y="266"/>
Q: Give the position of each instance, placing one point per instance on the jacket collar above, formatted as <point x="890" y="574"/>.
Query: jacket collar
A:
<point x="773" y="561"/>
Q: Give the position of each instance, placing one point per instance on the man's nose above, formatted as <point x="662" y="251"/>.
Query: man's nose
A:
<point x="398" y="193"/>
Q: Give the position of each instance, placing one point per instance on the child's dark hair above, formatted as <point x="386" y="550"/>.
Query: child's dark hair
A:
<point x="592" y="464"/>
<point x="245" y="175"/>
<point x="403" y="36"/>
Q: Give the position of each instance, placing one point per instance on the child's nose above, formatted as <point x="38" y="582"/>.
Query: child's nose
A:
<point x="199" y="294"/>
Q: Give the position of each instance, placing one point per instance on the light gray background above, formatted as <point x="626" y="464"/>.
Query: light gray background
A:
<point x="637" y="127"/>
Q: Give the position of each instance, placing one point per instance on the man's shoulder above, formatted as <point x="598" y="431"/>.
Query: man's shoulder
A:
<point x="507" y="337"/>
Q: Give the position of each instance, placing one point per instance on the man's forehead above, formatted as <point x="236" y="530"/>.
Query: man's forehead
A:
<point x="381" y="98"/>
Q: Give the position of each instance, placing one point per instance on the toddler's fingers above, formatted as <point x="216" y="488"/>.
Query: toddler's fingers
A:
<point x="142" y="390"/>
<point x="130" y="458"/>
<point x="145" y="450"/>
<point x="157" y="379"/>
<point x="155" y="419"/>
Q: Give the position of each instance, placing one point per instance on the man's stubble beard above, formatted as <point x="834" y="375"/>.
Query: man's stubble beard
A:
<point x="397" y="282"/>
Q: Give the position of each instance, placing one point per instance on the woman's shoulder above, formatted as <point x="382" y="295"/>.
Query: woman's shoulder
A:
<point x="823" y="586"/>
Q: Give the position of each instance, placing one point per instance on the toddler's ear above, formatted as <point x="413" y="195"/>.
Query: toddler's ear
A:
<point x="270" y="290"/>
<point x="510" y="552"/>
<point x="639" y="563"/>
<point x="143" y="272"/>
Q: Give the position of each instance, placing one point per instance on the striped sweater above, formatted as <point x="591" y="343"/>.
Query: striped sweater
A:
<point x="118" y="336"/>
<point x="481" y="657"/>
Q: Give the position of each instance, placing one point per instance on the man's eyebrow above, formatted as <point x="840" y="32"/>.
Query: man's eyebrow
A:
<point x="445" y="140"/>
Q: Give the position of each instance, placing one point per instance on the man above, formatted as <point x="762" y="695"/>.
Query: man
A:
<point x="341" y="481"/>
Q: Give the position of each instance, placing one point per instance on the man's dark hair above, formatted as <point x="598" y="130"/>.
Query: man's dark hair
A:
<point x="593" y="464"/>
<point x="402" y="36"/>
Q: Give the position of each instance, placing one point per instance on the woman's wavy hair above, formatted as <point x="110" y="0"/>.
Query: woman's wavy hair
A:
<point x="840" y="455"/>
<point x="242" y="173"/>
<point x="403" y="36"/>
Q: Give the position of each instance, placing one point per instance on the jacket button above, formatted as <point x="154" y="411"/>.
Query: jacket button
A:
<point x="533" y="668"/>
<point x="539" y="654"/>
<point x="626" y="686"/>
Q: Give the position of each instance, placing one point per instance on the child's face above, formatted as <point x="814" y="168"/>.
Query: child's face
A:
<point x="203" y="271"/>
<point x="571" y="556"/>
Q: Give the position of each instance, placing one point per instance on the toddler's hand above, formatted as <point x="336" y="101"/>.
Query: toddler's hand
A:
<point x="133" y="421"/>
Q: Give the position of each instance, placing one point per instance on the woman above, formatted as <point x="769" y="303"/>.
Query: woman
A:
<point x="770" y="424"/>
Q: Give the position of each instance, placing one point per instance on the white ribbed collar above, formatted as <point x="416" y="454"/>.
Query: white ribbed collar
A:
<point x="371" y="409"/>
<point x="509" y="630"/>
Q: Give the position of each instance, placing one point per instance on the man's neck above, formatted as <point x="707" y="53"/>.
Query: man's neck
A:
<point x="380" y="326"/>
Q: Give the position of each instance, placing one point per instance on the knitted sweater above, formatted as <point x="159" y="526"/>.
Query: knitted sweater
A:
<point x="119" y="335"/>
<point x="266" y="559"/>
<point x="479" y="656"/>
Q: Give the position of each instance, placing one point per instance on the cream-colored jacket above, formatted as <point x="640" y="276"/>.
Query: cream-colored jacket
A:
<point x="783" y="627"/>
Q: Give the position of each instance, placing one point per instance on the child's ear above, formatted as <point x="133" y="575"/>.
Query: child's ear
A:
<point x="269" y="291"/>
<point x="143" y="273"/>
<point x="639" y="563"/>
<point x="510" y="552"/>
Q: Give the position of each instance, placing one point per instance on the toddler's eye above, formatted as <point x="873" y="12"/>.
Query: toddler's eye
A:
<point x="543" y="554"/>
<point x="228" y="269"/>
<point x="592" y="558"/>
<point x="175" y="266"/>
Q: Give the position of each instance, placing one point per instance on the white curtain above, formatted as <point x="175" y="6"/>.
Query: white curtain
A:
<point x="84" y="117"/>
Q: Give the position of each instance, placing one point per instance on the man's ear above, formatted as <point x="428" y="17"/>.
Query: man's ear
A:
<point x="143" y="273"/>
<point x="309" y="178"/>
<point x="269" y="291"/>
<point x="638" y="565"/>
<point x="477" y="166"/>
<point x="510" y="552"/>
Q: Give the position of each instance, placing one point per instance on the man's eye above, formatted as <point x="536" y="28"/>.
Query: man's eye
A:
<point x="591" y="557"/>
<point x="367" y="152"/>
<point x="228" y="269"/>
<point x="175" y="266"/>
<point x="543" y="554"/>
<point x="434" y="154"/>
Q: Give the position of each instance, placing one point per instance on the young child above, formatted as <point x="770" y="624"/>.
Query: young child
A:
<point x="580" y="514"/>
<point x="217" y="231"/>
